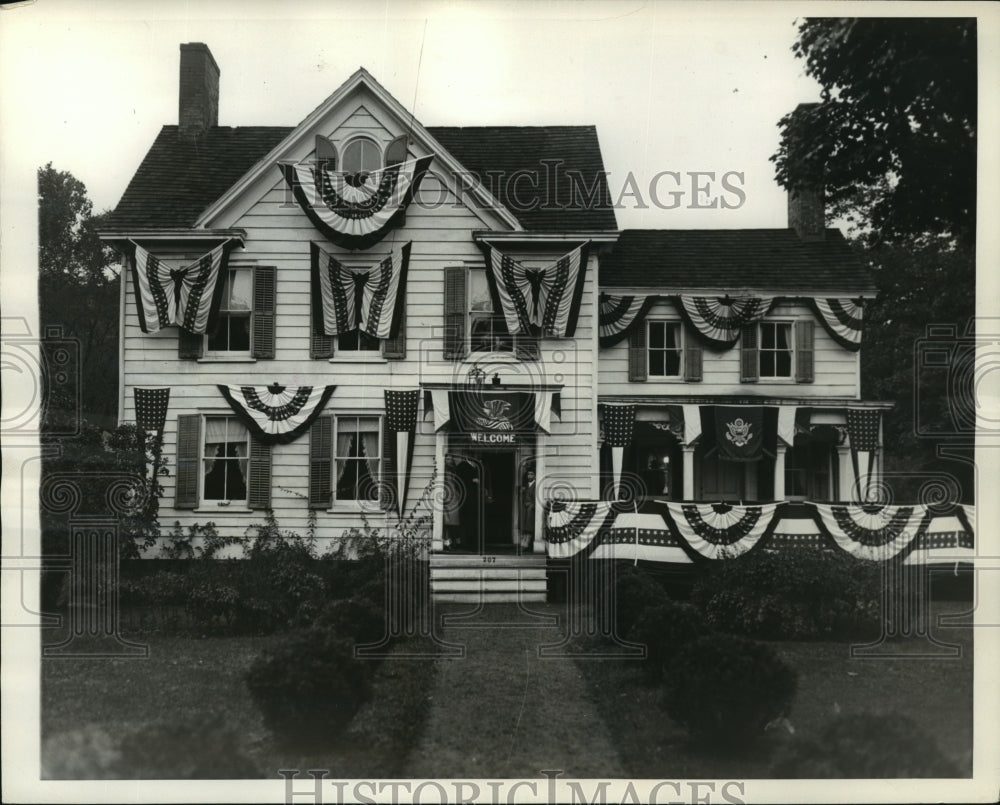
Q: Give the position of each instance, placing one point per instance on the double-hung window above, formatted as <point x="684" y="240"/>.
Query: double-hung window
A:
<point x="775" y="351"/>
<point x="665" y="349"/>
<point x="225" y="455"/>
<point x="488" y="330"/>
<point x="357" y="457"/>
<point x="233" y="328"/>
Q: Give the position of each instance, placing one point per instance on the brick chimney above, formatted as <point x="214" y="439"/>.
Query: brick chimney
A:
<point x="198" y="108"/>
<point x="806" y="208"/>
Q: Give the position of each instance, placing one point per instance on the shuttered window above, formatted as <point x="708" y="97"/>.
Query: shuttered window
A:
<point x="774" y="350"/>
<point x="663" y="348"/>
<point x="321" y="462"/>
<point x="218" y="461"/>
<point x="320" y="345"/>
<point x="454" y="312"/>
<point x="692" y="362"/>
<point x="805" y="349"/>
<point x="188" y="451"/>
<point x="259" y="476"/>
<point x="637" y="359"/>
<point x="748" y="354"/>
<point x="357" y="457"/>
<point x="264" y="299"/>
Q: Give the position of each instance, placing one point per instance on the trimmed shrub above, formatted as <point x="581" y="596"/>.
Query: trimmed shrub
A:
<point x="794" y="595"/>
<point x="309" y="686"/>
<point x="866" y="745"/>
<point x="664" y="629"/>
<point x="724" y="689"/>
<point x="634" y="592"/>
<point x="355" y="618"/>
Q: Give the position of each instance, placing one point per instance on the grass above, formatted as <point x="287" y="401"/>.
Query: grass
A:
<point x="185" y="677"/>
<point x="936" y="693"/>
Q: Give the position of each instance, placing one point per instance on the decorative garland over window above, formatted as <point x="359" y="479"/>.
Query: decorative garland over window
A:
<point x="546" y="299"/>
<point x="276" y="414"/>
<point x="354" y="210"/>
<point x="185" y="297"/>
<point x="618" y="315"/>
<point x="369" y="300"/>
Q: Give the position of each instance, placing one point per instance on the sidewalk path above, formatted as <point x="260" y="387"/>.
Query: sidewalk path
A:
<point x="501" y="711"/>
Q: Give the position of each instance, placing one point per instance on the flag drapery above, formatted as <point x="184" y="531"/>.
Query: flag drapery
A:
<point x="547" y="299"/>
<point x="618" y="315"/>
<point x="444" y="402"/>
<point x="739" y="432"/>
<point x="842" y="319"/>
<point x="618" y="421"/>
<point x="187" y="297"/>
<point x="151" y="408"/>
<point x="870" y="531"/>
<point x="401" y="421"/>
<point x="720" y="320"/>
<point x="571" y="526"/>
<point x="944" y="537"/>
<point x="369" y="300"/>
<point x="721" y="531"/>
<point x="863" y="432"/>
<point x="276" y="414"/>
<point x="354" y="210"/>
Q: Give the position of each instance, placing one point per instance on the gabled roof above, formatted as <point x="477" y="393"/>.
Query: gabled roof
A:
<point x="178" y="179"/>
<point x="731" y="260"/>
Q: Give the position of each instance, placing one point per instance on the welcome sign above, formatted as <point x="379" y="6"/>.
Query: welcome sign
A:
<point x="493" y="418"/>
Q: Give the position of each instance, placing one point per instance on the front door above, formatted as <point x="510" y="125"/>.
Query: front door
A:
<point x="497" y="500"/>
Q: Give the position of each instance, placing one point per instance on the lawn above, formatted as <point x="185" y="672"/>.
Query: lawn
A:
<point x="936" y="693"/>
<point x="186" y="677"/>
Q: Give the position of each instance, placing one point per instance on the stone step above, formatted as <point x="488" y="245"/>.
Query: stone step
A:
<point x="488" y="573"/>
<point x="490" y="597"/>
<point x="486" y="560"/>
<point x="488" y="585"/>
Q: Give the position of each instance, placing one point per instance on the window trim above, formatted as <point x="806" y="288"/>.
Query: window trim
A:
<point x="356" y="138"/>
<point x="790" y="377"/>
<point x="679" y="377"/>
<point x="354" y="504"/>
<point x="241" y="355"/>
<point x="215" y="506"/>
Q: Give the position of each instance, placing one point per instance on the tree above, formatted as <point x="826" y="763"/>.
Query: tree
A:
<point x="77" y="290"/>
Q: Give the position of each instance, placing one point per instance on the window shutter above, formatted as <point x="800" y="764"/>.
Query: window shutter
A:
<point x="264" y="291"/>
<point x="692" y="363"/>
<point x="454" y="313"/>
<point x="321" y="462"/>
<point x="189" y="345"/>
<point x="320" y="345"/>
<point x="394" y="349"/>
<point x="638" y="366"/>
<point x="259" y="476"/>
<point x="395" y="151"/>
<point x="188" y="450"/>
<point x="805" y="351"/>
<point x="387" y="491"/>
<point x="749" y="367"/>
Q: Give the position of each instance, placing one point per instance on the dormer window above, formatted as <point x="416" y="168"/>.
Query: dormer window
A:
<point x="361" y="155"/>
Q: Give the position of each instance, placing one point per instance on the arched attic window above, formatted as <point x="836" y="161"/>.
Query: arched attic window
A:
<point x="361" y="155"/>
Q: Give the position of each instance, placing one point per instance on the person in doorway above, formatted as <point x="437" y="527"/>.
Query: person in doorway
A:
<point x="454" y="496"/>
<point x="654" y="478"/>
<point x="468" y="480"/>
<point x="527" y="513"/>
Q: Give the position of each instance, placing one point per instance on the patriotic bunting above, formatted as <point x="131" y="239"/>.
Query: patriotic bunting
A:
<point x="187" y="297"/>
<point x="571" y="526"/>
<point x="870" y="531"/>
<point x="547" y="299"/>
<point x="354" y="211"/>
<point x="943" y="538"/>
<point x="618" y="422"/>
<point x="721" y="531"/>
<point x="618" y="315"/>
<point x="151" y="408"/>
<point x="720" y="320"/>
<point x="401" y="420"/>
<point x="369" y="299"/>
<point x="276" y="414"/>
<point x="640" y="536"/>
<point x="842" y="319"/>
<point x="863" y="432"/>
<point x="739" y="432"/>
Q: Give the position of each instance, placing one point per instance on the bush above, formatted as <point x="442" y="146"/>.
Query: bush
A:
<point x="309" y="687"/>
<point x="355" y="618"/>
<point x="794" y="595"/>
<point x="634" y="591"/>
<point x="664" y="629"/>
<point x="724" y="689"/>
<point x="866" y="745"/>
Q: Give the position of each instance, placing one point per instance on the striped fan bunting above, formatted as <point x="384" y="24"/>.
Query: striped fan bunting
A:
<point x="870" y="531"/>
<point x="842" y="319"/>
<point x="618" y="315"/>
<point x="720" y="320"/>
<point x="276" y="414"/>
<point x="721" y="531"/>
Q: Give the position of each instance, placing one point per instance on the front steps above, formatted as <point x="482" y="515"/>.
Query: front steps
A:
<point x="489" y="578"/>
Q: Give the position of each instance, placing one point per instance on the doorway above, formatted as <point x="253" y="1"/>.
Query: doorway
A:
<point x="497" y="531"/>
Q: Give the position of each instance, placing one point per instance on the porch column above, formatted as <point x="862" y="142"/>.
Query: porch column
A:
<point x="845" y="473"/>
<point x="779" y="472"/>
<point x="538" y="545"/>
<point x="437" y="517"/>
<point x="688" y="456"/>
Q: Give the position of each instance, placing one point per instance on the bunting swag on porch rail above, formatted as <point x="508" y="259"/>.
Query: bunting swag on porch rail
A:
<point x="862" y="430"/>
<point x="571" y="526"/>
<point x="275" y="414"/>
<point x="187" y="297"/>
<point x="870" y="531"/>
<point x="151" y="408"/>
<point x="719" y="530"/>
<point x="618" y="422"/>
<point x="369" y="300"/>
<point x="618" y="315"/>
<point x="401" y="420"/>
<point x="842" y="319"/>
<point x="720" y="320"/>
<point x="354" y="210"/>
<point x="547" y="298"/>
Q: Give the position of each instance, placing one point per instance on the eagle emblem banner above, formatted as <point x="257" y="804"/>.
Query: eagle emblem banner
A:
<point x="739" y="432"/>
<point x="720" y="320"/>
<point x="496" y="418"/>
<point x="187" y="297"/>
<point x="545" y="300"/>
<point x="617" y="316"/>
<point x="842" y="319"/>
<point x="276" y="414"/>
<point x="354" y="210"/>
<point x="367" y="299"/>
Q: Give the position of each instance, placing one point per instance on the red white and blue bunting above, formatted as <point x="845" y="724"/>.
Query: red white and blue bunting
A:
<point x="871" y="531"/>
<point x="842" y="319"/>
<point x="719" y="530"/>
<point x="151" y="408"/>
<point x="571" y="526"/>
<point x="540" y="300"/>
<point x="187" y="297"/>
<point x="944" y="538"/>
<point x="369" y="300"/>
<point x="401" y="421"/>
<point x="720" y="320"/>
<point x="276" y="414"/>
<point x="354" y="210"/>
<point x="618" y="315"/>
<point x="863" y="426"/>
<point x="617" y="423"/>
